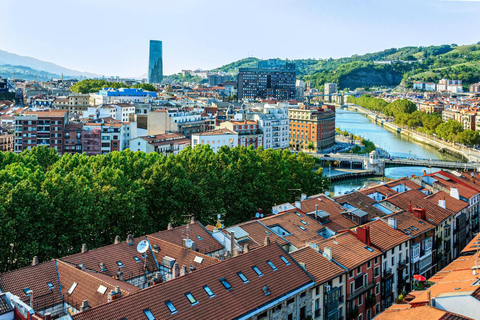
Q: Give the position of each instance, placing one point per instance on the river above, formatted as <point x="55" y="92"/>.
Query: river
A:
<point x="394" y="143"/>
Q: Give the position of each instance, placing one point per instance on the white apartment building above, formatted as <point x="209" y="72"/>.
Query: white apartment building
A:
<point x="216" y="139"/>
<point x="119" y="112"/>
<point x="274" y="123"/>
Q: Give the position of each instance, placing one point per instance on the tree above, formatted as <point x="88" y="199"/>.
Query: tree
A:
<point x="449" y="130"/>
<point x="469" y="137"/>
<point x="146" y="87"/>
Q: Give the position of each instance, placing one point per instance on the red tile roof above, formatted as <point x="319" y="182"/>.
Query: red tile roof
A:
<point x="88" y="286"/>
<point x="226" y="304"/>
<point x="207" y="245"/>
<point x="435" y="214"/>
<point x="257" y="232"/>
<point x="302" y="228"/>
<point x="35" y="278"/>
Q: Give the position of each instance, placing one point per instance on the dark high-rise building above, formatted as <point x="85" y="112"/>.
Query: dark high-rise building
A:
<point x="272" y="79"/>
<point x="155" y="62"/>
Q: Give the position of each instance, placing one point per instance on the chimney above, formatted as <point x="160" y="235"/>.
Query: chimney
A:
<point x="420" y="213"/>
<point x="120" y="275"/>
<point x="35" y="261"/>
<point x="327" y="253"/>
<point x="81" y="266"/>
<point x="85" y="306"/>
<point x="156" y="248"/>
<point x="192" y="220"/>
<point x="303" y="265"/>
<point x="48" y="316"/>
<point x="246" y="248"/>
<point x="410" y="206"/>
<point x="129" y="239"/>
<point x="392" y="223"/>
<point x="184" y="270"/>
<point x="454" y="193"/>
<point x="170" y="227"/>
<point x="316" y="211"/>
<point x="298" y="205"/>
<point x="267" y="241"/>
<point x="175" y="271"/>
<point x="232" y="242"/>
<point x="303" y="196"/>
<point x="118" y="291"/>
<point x="117" y="240"/>
<point x="442" y="203"/>
<point x="363" y="234"/>
<point x="84" y="248"/>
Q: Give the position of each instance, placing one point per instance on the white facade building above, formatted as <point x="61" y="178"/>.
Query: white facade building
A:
<point x="216" y="139"/>
<point x="273" y="121"/>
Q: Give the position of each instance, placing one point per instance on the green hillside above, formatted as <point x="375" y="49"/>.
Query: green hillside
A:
<point x="389" y="67"/>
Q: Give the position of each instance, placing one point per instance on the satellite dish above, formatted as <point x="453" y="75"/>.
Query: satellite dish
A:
<point x="257" y="215"/>
<point x="219" y="216"/>
<point x="143" y="246"/>
<point x="188" y="243"/>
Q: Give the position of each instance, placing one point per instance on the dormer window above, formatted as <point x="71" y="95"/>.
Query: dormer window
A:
<point x="243" y="277"/>
<point x="170" y="306"/>
<point x="191" y="298"/>
<point x="225" y="283"/>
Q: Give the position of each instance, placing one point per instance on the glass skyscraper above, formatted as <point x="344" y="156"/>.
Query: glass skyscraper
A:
<point x="155" y="62"/>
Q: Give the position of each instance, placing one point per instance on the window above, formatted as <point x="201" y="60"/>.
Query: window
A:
<point x="303" y="228"/>
<point x="285" y="260"/>
<point x="226" y="284"/>
<point x="243" y="277"/>
<point x="290" y="301"/>
<point x="377" y="308"/>
<point x="376" y="271"/>
<point x="376" y="260"/>
<point x="360" y="300"/>
<point x="257" y="271"/>
<point x="209" y="291"/>
<point x="199" y="238"/>
<point x="120" y="264"/>
<point x="359" y="270"/>
<point x="369" y="264"/>
<point x="137" y="259"/>
<point x="72" y="288"/>
<point x="170" y="306"/>
<point x="351" y="274"/>
<point x="377" y="288"/>
<point x="360" y="317"/>
<point x="304" y="222"/>
<point x="50" y="286"/>
<point x="27" y="291"/>
<point x="191" y="298"/>
<point x="270" y="263"/>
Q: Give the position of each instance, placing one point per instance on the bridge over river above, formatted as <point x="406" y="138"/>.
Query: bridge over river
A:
<point x="373" y="163"/>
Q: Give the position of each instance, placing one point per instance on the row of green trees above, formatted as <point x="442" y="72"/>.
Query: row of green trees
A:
<point x="406" y="114"/>
<point x="51" y="204"/>
<point x="368" y="146"/>
<point x="91" y="86"/>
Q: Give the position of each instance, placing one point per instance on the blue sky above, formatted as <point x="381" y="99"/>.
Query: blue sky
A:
<point x="111" y="37"/>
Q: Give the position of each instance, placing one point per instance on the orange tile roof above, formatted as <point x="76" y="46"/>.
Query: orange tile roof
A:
<point x="318" y="266"/>
<point x="385" y="237"/>
<point x="348" y="250"/>
<point x="396" y="312"/>
<point x="257" y="232"/>
<point x="473" y="245"/>
<point x="452" y="204"/>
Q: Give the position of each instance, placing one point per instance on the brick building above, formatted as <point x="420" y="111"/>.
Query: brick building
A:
<point x="311" y="128"/>
<point x="40" y="128"/>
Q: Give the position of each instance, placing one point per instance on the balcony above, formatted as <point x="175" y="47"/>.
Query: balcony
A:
<point x="361" y="290"/>
<point x="387" y="273"/>
<point x="402" y="264"/>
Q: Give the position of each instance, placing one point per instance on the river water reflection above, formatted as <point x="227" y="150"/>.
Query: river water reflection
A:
<point x="392" y="142"/>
